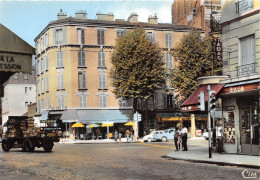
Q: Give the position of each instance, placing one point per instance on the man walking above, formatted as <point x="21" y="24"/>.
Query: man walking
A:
<point x="184" y="133"/>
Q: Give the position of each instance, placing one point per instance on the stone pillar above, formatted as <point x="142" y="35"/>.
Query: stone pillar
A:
<point x="193" y="127"/>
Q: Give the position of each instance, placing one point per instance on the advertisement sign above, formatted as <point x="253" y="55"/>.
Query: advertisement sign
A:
<point x="218" y="50"/>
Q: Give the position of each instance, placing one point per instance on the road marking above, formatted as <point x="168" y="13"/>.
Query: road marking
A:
<point x="156" y="145"/>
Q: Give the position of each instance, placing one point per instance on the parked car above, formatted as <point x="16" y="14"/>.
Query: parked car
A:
<point x="150" y="137"/>
<point x="165" y="135"/>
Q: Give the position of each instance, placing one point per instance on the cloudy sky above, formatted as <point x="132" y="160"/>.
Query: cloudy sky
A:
<point x="27" y="18"/>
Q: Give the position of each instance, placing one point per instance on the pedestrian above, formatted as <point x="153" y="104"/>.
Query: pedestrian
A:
<point x="184" y="134"/>
<point x="176" y="136"/>
<point x="127" y="135"/>
<point x="132" y="136"/>
<point x="120" y="136"/>
<point x="116" y="135"/>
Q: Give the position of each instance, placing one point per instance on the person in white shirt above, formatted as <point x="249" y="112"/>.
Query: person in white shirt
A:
<point x="184" y="134"/>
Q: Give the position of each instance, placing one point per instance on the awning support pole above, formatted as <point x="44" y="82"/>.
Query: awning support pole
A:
<point x="209" y="122"/>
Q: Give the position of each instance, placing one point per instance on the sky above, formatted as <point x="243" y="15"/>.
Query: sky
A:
<point x="27" y="18"/>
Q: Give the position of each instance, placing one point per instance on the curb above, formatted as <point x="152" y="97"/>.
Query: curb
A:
<point x="213" y="162"/>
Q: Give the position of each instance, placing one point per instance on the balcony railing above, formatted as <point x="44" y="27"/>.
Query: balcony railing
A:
<point x="246" y="69"/>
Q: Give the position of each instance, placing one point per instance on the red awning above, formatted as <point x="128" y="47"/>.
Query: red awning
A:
<point x="193" y="101"/>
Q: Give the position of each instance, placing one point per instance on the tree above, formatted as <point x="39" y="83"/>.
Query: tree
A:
<point x="195" y="57"/>
<point x="137" y="67"/>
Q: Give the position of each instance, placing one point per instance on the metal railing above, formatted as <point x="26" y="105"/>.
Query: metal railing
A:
<point x="246" y="69"/>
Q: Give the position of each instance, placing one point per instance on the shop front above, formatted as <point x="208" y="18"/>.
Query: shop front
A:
<point x="241" y="117"/>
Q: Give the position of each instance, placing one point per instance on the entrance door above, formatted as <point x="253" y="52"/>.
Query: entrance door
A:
<point x="250" y="130"/>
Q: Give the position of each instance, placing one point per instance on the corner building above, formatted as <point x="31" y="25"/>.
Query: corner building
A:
<point x="73" y="63"/>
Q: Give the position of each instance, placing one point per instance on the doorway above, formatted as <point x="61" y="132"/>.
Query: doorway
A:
<point x="249" y="126"/>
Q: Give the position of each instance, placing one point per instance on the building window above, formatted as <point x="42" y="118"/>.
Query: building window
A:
<point x="60" y="101"/>
<point x="37" y="48"/>
<point x="151" y="36"/>
<point x="60" y="81"/>
<point x="83" y="101"/>
<point x="170" y="102"/>
<point x="58" y="36"/>
<point x="43" y="64"/>
<point x="169" y="61"/>
<point x="101" y="59"/>
<point x="122" y="102"/>
<point x="81" y="36"/>
<point x="25" y="76"/>
<point x="247" y="47"/>
<point x="168" y="40"/>
<point x="102" y="101"/>
<point x="16" y="76"/>
<point x="101" y="37"/>
<point x="26" y="90"/>
<point x="42" y="84"/>
<point x="60" y="59"/>
<point x="120" y="33"/>
<point x="102" y="80"/>
<point x="81" y="59"/>
<point x="82" y="80"/>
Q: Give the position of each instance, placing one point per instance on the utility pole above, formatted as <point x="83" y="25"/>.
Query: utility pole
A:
<point x="209" y="122"/>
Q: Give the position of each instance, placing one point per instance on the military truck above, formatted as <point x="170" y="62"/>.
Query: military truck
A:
<point x="21" y="133"/>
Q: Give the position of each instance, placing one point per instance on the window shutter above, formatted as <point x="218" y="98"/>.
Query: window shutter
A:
<point x="104" y="101"/>
<point x="80" y="80"/>
<point x="84" y="81"/>
<point x="47" y="83"/>
<point x="83" y="57"/>
<point x="103" y="58"/>
<point x="99" y="59"/>
<point x="59" y="82"/>
<point x="79" y="58"/>
<point x="79" y="36"/>
<point x="62" y="81"/>
<point x="98" y="36"/>
<point x="64" y="35"/>
<point x="104" y="80"/>
<point x="58" y="59"/>
<point x="166" y="40"/>
<point x="61" y="59"/>
<point x="170" y="41"/>
<point x="54" y="32"/>
<point x="47" y="40"/>
<point x="46" y="63"/>
<point x="82" y="36"/>
<point x="100" y="80"/>
<point x="102" y="37"/>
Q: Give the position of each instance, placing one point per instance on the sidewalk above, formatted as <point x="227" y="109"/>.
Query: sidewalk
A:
<point x="100" y="141"/>
<point x="198" y="152"/>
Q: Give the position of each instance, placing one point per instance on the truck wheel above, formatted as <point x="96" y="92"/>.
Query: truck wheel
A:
<point x="149" y="140"/>
<point x="27" y="146"/>
<point x="5" y="145"/>
<point x="164" y="139"/>
<point x="48" y="145"/>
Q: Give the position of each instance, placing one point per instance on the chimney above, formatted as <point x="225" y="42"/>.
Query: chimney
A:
<point x="81" y="15"/>
<point x="105" y="17"/>
<point x="61" y="15"/>
<point x="133" y="18"/>
<point x="153" y="19"/>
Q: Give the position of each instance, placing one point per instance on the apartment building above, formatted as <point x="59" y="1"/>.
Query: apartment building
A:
<point x="19" y="92"/>
<point x="202" y="14"/>
<point x="241" y="62"/>
<point x="73" y="63"/>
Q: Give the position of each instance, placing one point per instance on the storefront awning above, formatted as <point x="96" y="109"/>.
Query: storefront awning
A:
<point x="191" y="104"/>
<point x="44" y="115"/>
<point x="103" y="115"/>
<point x="70" y="115"/>
<point x="56" y="112"/>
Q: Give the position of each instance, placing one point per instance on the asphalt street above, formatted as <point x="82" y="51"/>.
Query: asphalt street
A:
<point x="109" y="161"/>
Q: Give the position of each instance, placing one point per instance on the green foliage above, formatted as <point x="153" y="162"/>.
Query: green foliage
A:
<point x="137" y="67"/>
<point x="195" y="56"/>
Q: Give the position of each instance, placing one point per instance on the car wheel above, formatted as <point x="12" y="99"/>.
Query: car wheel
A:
<point x="164" y="139"/>
<point x="149" y="140"/>
<point x="5" y="145"/>
<point x="28" y="146"/>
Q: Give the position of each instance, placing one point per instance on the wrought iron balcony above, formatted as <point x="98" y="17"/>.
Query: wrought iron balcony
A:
<point x="246" y="69"/>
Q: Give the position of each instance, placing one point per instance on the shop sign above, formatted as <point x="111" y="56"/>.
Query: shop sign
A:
<point x="240" y="89"/>
<point x="218" y="50"/>
<point x="15" y="63"/>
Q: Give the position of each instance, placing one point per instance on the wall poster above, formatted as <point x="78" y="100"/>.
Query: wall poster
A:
<point x="229" y="124"/>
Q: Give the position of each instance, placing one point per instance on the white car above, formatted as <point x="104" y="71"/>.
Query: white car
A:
<point x="149" y="137"/>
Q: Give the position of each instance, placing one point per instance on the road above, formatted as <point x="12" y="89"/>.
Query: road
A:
<point x="108" y="161"/>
